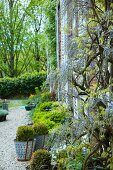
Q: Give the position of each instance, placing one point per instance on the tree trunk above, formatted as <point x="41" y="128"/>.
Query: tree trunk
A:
<point x="11" y="53"/>
<point x="37" y="56"/>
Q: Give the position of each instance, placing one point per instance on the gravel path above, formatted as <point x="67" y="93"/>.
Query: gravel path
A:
<point x="8" y="160"/>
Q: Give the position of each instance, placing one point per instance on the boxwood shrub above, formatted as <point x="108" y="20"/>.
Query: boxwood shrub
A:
<point x="25" y="133"/>
<point x="41" y="160"/>
<point x="52" y="114"/>
<point x="21" y="86"/>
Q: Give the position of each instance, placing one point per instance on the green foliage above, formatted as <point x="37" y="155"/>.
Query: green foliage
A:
<point x="25" y="133"/>
<point x="22" y="49"/>
<point x="63" y="162"/>
<point x="3" y="112"/>
<point x="44" y="106"/>
<point x="41" y="97"/>
<point x="40" y="129"/>
<point x="50" y="29"/>
<point x="41" y="160"/>
<point x="45" y="96"/>
<point x="110" y="163"/>
<point x="70" y="158"/>
<point x="52" y="114"/>
<point x="21" y="86"/>
<point x="48" y="96"/>
<point x="62" y="154"/>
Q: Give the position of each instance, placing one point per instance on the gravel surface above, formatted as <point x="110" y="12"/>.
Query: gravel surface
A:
<point x="8" y="160"/>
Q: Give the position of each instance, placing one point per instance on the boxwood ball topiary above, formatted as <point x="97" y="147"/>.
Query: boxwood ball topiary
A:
<point x="25" y="133"/>
<point x="40" y="129"/>
<point x="41" y="160"/>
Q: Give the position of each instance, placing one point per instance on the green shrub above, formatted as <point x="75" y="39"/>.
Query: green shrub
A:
<point x="40" y="129"/>
<point x="71" y="157"/>
<point x="3" y="112"/>
<point x="46" y="96"/>
<point x="52" y="114"/>
<point x="25" y="133"/>
<point x="21" y="86"/>
<point x="68" y="164"/>
<point x="33" y="98"/>
<point x="66" y="159"/>
<point x="50" y="124"/>
<point x="67" y="152"/>
<point x="45" y="106"/>
<point x="41" y="160"/>
<point x="57" y="116"/>
<point x="62" y="164"/>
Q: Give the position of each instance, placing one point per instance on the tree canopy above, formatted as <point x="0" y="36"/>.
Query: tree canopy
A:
<point x="23" y="36"/>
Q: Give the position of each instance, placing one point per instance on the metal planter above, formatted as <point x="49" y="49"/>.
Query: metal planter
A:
<point x="41" y="141"/>
<point x="30" y="107"/>
<point x="24" y="149"/>
<point x="5" y="106"/>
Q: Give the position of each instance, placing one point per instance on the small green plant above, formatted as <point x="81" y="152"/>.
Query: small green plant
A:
<point x="41" y="160"/>
<point x="40" y="129"/>
<point x="61" y="164"/>
<point x="70" y="158"/>
<point x="67" y="152"/>
<point x="25" y="133"/>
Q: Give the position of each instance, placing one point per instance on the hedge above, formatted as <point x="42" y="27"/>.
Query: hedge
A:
<point x="52" y="114"/>
<point x="21" y="86"/>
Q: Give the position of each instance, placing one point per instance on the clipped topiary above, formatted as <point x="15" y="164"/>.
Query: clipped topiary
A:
<point x="40" y="129"/>
<point x="41" y="160"/>
<point x="24" y="142"/>
<point x="45" y="106"/>
<point x="25" y="133"/>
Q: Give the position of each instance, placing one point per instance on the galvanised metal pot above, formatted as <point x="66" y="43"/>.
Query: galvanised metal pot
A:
<point x="24" y="149"/>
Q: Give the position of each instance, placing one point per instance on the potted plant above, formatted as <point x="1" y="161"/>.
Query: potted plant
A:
<point x="41" y="135"/>
<point x="30" y="106"/>
<point x="41" y="160"/>
<point x="3" y="114"/>
<point x="24" y="142"/>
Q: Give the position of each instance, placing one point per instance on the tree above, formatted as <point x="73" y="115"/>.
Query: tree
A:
<point x="21" y="36"/>
<point x="11" y="35"/>
<point x="37" y="17"/>
<point x="50" y="30"/>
